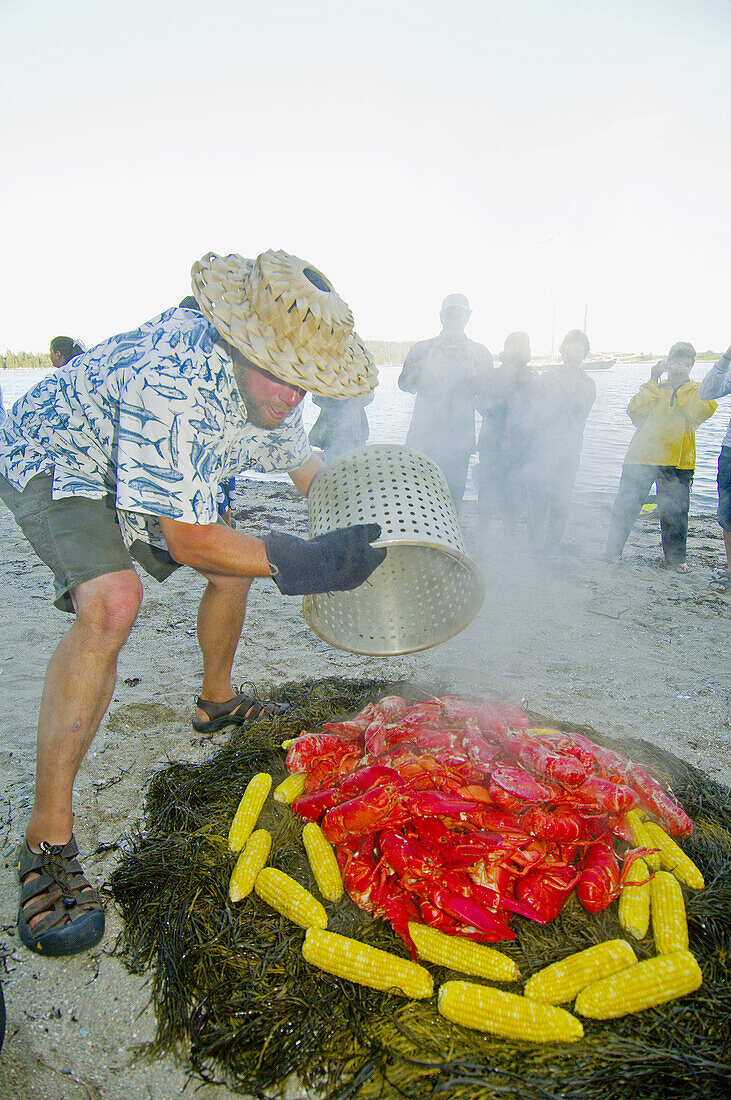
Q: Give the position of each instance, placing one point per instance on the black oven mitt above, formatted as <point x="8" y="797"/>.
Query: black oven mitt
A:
<point x="333" y="562"/>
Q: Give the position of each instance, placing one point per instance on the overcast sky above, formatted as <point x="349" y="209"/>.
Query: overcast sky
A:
<point x="539" y="156"/>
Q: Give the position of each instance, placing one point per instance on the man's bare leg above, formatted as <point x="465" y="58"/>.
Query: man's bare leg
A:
<point x="719" y="586"/>
<point x="220" y="622"/>
<point x="77" y="690"/>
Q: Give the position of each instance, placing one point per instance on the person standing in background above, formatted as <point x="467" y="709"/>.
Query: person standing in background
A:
<point x="564" y="396"/>
<point x="447" y="373"/>
<point x="64" y="349"/>
<point x="662" y="450"/>
<point x="342" y="425"/>
<point x="507" y="410"/>
<point x="717" y="383"/>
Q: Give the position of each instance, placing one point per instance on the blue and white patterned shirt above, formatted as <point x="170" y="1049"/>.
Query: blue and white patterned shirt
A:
<point x="153" y="417"/>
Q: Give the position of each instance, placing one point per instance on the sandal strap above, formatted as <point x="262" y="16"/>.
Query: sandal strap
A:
<point x="58" y="892"/>
<point x="268" y="707"/>
<point x="242" y="704"/>
<point x="29" y="860"/>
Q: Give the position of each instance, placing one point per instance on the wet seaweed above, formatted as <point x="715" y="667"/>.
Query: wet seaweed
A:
<point x="233" y="996"/>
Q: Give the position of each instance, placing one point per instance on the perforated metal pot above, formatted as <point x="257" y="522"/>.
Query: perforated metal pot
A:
<point x="427" y="589"/>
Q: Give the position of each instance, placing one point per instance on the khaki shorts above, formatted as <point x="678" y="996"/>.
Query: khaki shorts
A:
<point x="78" y="538"/>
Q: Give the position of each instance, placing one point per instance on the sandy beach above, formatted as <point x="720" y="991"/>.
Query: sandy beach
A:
<point x="631" y="648"/>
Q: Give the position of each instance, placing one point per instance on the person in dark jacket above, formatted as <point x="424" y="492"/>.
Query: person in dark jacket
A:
<point x="446" y="373"/>
<point x="63" y="349"/>
<point x="564" y="397"/>
<point x="342" y="425"/>
<point x="717" y="383"/>
<point x="507" y="407"/>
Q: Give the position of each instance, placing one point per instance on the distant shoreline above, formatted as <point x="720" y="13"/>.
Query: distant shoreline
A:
<point x="386" y="353"/>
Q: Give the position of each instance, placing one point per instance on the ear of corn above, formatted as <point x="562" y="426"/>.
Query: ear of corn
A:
<point x="561" y="981"/>
<point x="290" y="788"/>
<point x="642" y="838"/>
<point x="506" y="1014"/>
<point x="649" y="983"/>
<point x="669" y="924"/>
<point x="323" y="862"/>
<point x="289" y="898"/>
<point x="462" y="955"/>
<point x="634" y="901"/>
<point x="249" y="864"/>
<point x="673" y="858"/>
<point x="366" y="965"/>
<point x="249" y="809"/>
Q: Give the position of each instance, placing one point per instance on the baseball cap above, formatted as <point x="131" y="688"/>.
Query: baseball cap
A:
<point x="455" y="301"/>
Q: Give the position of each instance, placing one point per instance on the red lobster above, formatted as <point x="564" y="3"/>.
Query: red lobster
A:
<point x="600" y="881"/>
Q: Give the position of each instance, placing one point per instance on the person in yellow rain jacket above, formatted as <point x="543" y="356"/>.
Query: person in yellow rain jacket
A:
<point x="662" y="451"/>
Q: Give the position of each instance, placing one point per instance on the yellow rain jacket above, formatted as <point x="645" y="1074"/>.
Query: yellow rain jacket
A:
<point x="666" y="420"/>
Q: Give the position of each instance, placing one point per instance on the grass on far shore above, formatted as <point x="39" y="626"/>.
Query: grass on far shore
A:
<point x="385" y="353"/>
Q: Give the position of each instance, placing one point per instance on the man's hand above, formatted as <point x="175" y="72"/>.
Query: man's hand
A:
<point x="335" y="562"/>
<point x="658" y="370"/>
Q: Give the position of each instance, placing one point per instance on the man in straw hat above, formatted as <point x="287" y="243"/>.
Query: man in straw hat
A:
<point x="118" y="456"/>
<point x="447" y="374"/>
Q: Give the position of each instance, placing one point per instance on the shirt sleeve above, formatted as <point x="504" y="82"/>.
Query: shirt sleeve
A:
<point x="639" y="407"/>
<point x="717" y="383"/>
<point x="278" y="450"/>
<point x="588" y="397"/>
<point x="410" y="372"/>
<point x="694" y="408"/>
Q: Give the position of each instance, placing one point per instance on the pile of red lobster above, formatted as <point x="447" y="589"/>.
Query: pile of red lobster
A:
<point x="459" y="815"/>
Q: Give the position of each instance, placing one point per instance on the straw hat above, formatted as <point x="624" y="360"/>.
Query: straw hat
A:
<point x="285" y="317"/>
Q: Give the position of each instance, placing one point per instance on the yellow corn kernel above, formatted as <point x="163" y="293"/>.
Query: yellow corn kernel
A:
<point x="669" y="926"/>
<point x="290" y="788"/>
<point x="462" y="955"/>
<point x="249" y="809"/>
<point x="634" y="901"/>
<point x="323" y="862"/>
<point x="250" y="862"/>
<point x="358" y="962"/>
<point x="562" y="980"/>
<point x="290" y="899"/>
<point x="644" y="985"/>
<point x="641" y="838"/>
<point x="673" y="858"/>
<point x="506" y="1014"/>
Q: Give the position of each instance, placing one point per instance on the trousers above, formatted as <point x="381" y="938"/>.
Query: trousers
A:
<point x="673" y="504"/>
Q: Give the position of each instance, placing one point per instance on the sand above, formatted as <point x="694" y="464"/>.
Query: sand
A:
<point x="632" y="649"/>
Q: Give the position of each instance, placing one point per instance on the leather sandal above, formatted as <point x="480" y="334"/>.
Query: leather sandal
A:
<point x="236" y="712"/>
<point x="53" y="888"/>
<point x="720" y="580"/>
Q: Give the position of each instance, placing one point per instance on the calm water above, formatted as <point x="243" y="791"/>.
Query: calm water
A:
<point x="608" y="430"/>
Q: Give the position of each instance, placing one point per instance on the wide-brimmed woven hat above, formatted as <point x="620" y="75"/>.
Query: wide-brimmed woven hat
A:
<point x="285" y="317"/>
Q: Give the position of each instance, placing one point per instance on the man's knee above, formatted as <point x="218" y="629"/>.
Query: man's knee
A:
<point x="233" y="587"/>
<point x="108" y="605"/>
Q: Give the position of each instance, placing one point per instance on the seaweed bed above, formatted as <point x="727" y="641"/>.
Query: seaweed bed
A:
<point x="232" y="993"/>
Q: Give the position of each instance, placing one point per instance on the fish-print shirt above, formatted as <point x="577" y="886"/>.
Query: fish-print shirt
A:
<point x="153" y="418"/>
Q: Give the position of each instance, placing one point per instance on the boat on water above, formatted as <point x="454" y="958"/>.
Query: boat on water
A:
<point x="543" y="364"/>
<point x="598" y="364"/>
